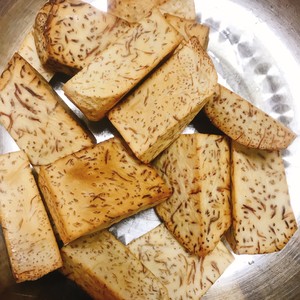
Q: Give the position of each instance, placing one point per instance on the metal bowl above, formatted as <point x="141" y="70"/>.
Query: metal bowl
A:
<point x="255" y="48"/>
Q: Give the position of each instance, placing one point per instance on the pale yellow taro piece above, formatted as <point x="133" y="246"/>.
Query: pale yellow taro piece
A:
<point x="29" y="238"/>
<point x="247" y="124"/>
<point x="28" y="51"/>
<point x="189" y="28"/>
<point x="185" y="276"/>
<point x="180" y="8"/>
<point x="131" y="10"/>
<point x="263" y="220"/>
<point x="197" y="168"/>
<point x="97" y="187"/>
<point x="69" y="34"/>
<point x="155" y="114"/>
<point x="32" y="114"/>
<point x="106" y="269"/>
<point x="98" y="87"/>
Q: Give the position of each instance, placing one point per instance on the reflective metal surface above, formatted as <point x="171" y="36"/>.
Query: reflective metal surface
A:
<point x="255" y="46"/>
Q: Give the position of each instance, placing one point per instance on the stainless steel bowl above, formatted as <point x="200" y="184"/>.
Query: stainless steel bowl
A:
<point x="255" y="48"/>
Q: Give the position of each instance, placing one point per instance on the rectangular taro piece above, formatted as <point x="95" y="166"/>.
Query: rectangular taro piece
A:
<point x="100" y="85"/>
<point x="29" y="238"/>
<point x="186" y="276"/>
<point x="97" y="187"/>
<point x="197" y="168"/>
<point x="31" y="112"/>
<point x="106" y="269"/>
<point x="263" y="219"/>
<point x="69" y="34"/>
<point x="155" y="114"/>
<point x="247" y="124"/>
